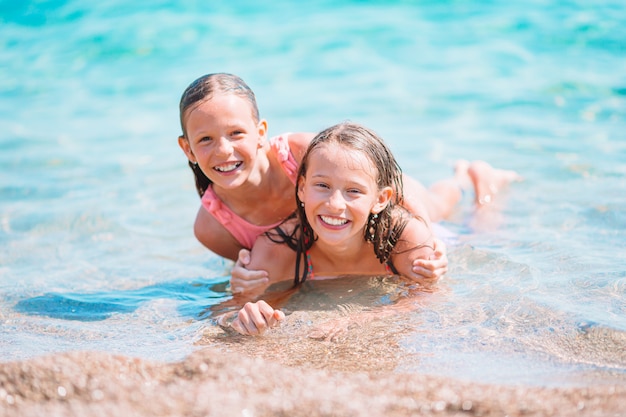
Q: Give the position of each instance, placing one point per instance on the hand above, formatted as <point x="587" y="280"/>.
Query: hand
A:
<point x="430" y="270"/>
<point x="243" y="280"/>
<point x="255" y="318"/>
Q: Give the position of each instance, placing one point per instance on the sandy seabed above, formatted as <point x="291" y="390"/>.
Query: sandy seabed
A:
<point x="285" y="373"/>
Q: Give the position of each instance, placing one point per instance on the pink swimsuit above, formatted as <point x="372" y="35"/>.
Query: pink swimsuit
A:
<point x="242" y="230"/>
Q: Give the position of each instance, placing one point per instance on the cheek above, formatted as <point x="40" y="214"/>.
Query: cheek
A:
<point x="201" y="152"/>
<point x="250" y="148"/>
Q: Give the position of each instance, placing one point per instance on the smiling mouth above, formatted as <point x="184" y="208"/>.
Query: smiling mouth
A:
<point x="333" y="221"/>
<point x="227" y="167"/>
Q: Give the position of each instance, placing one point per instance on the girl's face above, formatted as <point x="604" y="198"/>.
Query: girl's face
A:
<point x="223" y="138"/>
<point x="339" y="192"/>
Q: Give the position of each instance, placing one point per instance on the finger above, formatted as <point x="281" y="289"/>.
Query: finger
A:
<point x="240" y="323"/>
<point x="241" y="272"/>
<point x="427" y="265"/>
<point x="440" y="246"/>
<point x="244" y="257"/>
<point x="258" y="315"/>
<point x="424" y="272"/>
<point x="241" y="285"/>
<point x="425" y="276"/>
<point x="256" y="324"/>
<point x="271" y="316"/>
<point x="236" y="326"/>
<point x="243" y="329"/>
<point x="431" y="264"/>
<point x="437" y="255"/>
<point x="240" y="278"/>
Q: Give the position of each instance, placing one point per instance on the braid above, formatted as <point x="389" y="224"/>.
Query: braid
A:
<point x="299" y="240"/>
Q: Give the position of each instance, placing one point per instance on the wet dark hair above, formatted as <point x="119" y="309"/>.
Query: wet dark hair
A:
<point x="383" y="230"/>
<point x="204" y="89"/>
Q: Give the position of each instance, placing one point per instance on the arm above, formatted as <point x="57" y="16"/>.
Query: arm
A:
<point x="278" y="261"/>
<point x="417" y="242"/>
<point x="267" y="263"/>
<point x="298" y="143"/>
<point x="419" y="201"/>
<point x="214" y="236"/>
<point x="434" y="267"/>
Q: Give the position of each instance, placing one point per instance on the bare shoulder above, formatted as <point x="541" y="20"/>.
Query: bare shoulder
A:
<point x="298" y="142"/>
<point x="270" y="254"/>
<point x="214" y="236"/>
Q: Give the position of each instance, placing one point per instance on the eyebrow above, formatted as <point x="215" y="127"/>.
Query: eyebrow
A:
<point x="350" y="182"/>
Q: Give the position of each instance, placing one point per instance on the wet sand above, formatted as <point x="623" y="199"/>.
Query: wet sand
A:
<point x="211" y="383"/>
<point x="294" y="371"/>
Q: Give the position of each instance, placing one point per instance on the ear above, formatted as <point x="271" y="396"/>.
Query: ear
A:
<point x="262" y="130"/>
<point x="301" y="182"/>
<point x="184" y="145"/>
<point x="384" y="197"/>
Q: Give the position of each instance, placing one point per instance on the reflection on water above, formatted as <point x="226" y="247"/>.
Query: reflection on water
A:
<point x="194" y="296"/>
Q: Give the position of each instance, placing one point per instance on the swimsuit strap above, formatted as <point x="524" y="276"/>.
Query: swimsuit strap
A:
<point x="280" y="146"/>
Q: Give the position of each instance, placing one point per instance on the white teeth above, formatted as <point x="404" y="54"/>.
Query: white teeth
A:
<point x="227" y="168"/>
<point x="333" y="221"/>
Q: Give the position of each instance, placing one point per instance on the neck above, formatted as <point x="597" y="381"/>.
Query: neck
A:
<point x="347" y="259"/>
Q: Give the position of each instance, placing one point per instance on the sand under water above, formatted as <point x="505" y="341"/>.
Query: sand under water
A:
<point x="321" y="361"/>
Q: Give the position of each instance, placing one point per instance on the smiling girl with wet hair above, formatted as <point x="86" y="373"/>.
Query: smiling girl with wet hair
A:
<point x="349" y="221"/>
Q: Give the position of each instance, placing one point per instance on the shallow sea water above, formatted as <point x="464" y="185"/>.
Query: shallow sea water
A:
<point x="97" y="203"/>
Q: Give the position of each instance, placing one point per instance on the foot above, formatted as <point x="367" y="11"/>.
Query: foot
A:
<point x="488" y="181"/>
<point x="461" y="174"/>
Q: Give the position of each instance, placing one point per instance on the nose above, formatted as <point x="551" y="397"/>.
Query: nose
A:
<point x="224" y="147"/>
<point x="336" y="200"/>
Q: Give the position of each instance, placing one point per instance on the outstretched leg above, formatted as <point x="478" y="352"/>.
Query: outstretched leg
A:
<point x="488" y="181"/>
<point x="445" y="194"/>
<point x="439" y="200"/>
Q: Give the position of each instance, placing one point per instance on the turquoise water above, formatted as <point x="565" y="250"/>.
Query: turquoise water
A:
<point x="97" y="203"/>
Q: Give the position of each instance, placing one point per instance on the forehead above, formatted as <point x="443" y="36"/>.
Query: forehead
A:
<point x="221" y="106"/>
<point x="334" y="156"/>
